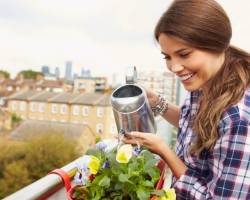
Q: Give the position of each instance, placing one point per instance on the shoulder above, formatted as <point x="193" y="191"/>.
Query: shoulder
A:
<point x="238" y="114"/>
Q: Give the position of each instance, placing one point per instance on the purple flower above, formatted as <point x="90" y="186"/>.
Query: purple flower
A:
<point x="80" y="179"/>
<point x="106" y="164"/>
<point x="101" y="145"/>
<point x="136" y="151"/>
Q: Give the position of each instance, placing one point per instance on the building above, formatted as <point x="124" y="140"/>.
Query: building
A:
<point x="91" y="109"/>
<point x="163" y="83"/>
<point x="45" y="70"/>
<point x="85" y="73"/>
<point x="57" y="72"/>
<point x="53" y="86"/>
<point x="90" y="84"/>
<point x="81" y="133"/>
<point x="68" y="70"/>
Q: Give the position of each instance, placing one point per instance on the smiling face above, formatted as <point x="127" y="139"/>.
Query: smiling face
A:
<point x="194" y="67"/>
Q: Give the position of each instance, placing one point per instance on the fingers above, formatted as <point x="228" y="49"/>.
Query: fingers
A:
<point x="134" y="134"/>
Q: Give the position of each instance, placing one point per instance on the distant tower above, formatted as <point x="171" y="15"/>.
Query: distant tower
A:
<point x="68" y="70"/>
<point x="57" y="72"/>
<point x="45" y="70"/>
<point x="87" y="73"/>
<point x="82" y="72"/>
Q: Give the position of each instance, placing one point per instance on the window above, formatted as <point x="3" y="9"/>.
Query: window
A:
<point x="54" y="108"/>
<point x="100" y="112"/>
<point x="99" y="128"/>
<point x="41" y="107"/>
<point x="75" y="110"/>
<point x="32" y="107"/>
<point x="82" y="85"/>
<point x="13" y="105"/>
<point x="63" y="109"/>
<point x="85" y="111"/>
<point x="22" y="106"/>
<point x="113" y="129"/>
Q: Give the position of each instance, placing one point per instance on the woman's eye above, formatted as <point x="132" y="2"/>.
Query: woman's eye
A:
<point x="184" y="55"/>
<point x="166" y="58"/>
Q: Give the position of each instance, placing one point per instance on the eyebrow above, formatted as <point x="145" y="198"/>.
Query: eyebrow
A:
<point x="179" y="50"/>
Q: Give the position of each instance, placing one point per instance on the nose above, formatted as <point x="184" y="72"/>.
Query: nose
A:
<point x="175" y="67"/>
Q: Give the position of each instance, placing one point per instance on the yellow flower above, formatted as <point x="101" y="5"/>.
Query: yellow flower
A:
<point x="124" y="153"/>
<point x="94" y="164"/>
<point x="169" y="195"/>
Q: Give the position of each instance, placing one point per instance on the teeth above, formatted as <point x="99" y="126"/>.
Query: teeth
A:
<point x="183" y="78"/>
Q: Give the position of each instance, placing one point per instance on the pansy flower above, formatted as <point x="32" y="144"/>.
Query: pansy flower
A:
<point x="124" y="153"/>
<point x="94" y="165"/>
<point x="169" y="195"/>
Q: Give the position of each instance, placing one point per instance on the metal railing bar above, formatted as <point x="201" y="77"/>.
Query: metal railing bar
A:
<point x="44" y="187"/>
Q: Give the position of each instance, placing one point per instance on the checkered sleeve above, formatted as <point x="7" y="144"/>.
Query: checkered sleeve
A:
<point x="228" y="173"/>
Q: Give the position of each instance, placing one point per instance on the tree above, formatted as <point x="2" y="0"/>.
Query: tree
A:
<point x="15" y="177"/>
<point x="48" y="152"/>
<point x="15" y="119"/>
<point x="30" y="74"/>
<point x="5" y="74"/>
<point x="24" y="163"/>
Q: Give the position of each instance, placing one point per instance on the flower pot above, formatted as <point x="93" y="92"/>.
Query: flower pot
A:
<point x="160" y="165"/>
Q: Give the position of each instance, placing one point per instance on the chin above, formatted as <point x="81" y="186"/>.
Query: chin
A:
<point x="191" y="88"/>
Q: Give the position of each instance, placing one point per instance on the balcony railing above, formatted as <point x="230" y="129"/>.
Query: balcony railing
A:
<point x="50" y="187"/>
<point x="44" y="187"/>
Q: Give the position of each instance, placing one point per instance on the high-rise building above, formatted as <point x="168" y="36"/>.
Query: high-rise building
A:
<point x="45" y="70"/>
<point x="57" y="72"/>
<point x="85" y="73"/>
<point x="68" y="70"/>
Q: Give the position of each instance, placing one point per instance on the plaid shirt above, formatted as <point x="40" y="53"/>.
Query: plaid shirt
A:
<point x="223" y="172"/>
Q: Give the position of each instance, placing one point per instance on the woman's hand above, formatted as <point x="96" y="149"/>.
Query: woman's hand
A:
<point x="158" y="146"/>
<point x="153" y="142"/>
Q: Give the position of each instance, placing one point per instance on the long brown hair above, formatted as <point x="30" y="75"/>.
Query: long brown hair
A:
<point x="204" y="25"/>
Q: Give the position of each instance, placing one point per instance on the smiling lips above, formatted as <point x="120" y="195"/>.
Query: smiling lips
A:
<point x="186" y="77"/>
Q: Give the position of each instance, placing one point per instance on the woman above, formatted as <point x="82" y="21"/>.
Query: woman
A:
<point x="212" y="159"/>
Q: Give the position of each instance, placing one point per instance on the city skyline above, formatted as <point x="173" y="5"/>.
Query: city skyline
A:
<point x="103" y="36"/>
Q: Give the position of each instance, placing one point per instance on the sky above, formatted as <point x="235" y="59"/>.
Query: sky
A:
<point x="105" y="36"/>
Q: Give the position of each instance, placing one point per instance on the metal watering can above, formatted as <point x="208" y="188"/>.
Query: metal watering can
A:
<point x="131" y="108"/>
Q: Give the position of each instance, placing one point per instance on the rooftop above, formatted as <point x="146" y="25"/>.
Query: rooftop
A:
<point x="98" y="99"/>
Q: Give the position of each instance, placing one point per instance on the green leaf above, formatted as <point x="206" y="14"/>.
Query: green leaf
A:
<point x="148" y="184"/>
<point x="147" y="155"/>
<point x="95" y="152"/>
<point x="123" y="178"/>
<point x="158" y="193"/>
<point x="104" y="182"/>
<point x="142" y="193"/>
<point x="150" y="163"/>
<point x="154" y="173"/>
